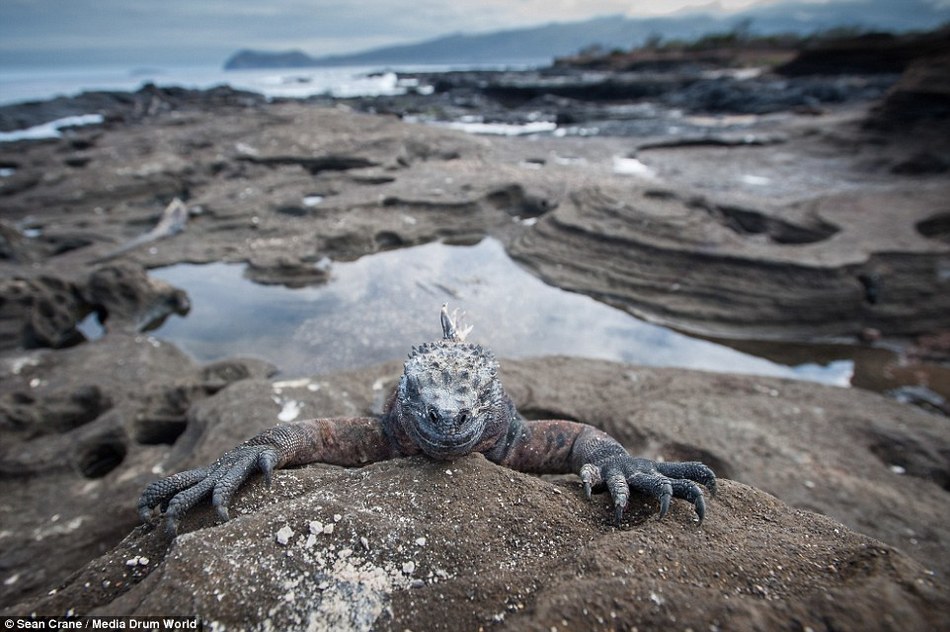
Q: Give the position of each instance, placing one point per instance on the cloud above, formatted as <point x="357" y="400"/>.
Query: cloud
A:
<point x="180" y="31"/>
<point x="104" y="29"/>
<point x="137" y="31"/>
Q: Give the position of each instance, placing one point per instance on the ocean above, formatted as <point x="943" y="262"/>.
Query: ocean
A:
<point x="33" y="84"/>
<point x="38" y="84"/>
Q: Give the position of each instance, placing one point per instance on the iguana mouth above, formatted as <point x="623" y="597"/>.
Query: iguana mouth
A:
<point x="447" y="446"/>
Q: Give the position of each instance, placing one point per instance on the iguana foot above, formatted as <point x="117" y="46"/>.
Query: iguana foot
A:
<point x="619" y="473"/>
<point x="179" y="493"/>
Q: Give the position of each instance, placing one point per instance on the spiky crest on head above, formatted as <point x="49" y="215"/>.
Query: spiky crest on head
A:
<point x="451" y="365"/>
<point x="451" y="331"/>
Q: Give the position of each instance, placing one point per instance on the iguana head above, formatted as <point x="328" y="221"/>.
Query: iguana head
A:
<point x="447" y="393"/>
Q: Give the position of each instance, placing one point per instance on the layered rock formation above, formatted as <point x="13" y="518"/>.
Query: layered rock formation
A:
<point x="787" y="227"/>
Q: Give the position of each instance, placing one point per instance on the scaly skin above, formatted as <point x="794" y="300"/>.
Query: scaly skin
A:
<point x="449" y="403"/>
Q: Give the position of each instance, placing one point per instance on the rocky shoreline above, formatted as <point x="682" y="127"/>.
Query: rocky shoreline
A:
<point x="825" y="231"/>
<point x="815" y="223"/>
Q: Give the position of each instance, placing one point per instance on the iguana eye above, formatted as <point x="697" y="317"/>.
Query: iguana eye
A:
<point x="462" y="417"/>
<point x="433" y="416"/>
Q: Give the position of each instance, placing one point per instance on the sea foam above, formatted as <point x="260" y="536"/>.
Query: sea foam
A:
<point x="50" y="129"/>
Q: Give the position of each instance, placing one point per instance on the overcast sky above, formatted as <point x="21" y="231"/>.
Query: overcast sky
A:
<point x="205" y="32"/>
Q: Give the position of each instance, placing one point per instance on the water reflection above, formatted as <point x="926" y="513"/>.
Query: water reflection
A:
<point x="875" y="368"/>
<point x="375" y="308"/>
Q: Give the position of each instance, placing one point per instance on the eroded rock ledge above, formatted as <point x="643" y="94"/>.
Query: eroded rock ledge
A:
<point x="806" y="269"/>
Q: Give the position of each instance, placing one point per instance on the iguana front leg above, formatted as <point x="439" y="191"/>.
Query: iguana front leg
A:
<point x="559" y="447"/>
<point x="337" y="441"/>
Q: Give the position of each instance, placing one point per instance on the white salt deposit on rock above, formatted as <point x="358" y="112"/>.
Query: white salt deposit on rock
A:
<point x="284" y="535"/>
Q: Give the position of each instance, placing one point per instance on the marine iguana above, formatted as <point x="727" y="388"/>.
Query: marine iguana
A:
<point x="449" y="402"/>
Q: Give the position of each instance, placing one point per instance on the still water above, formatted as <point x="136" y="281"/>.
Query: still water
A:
<point x="374" y="309"/>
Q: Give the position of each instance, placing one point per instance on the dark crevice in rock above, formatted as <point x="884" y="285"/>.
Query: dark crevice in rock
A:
<point x="77" y="162"/>
<point x="155" y="431"/>
<point x="461" y="238"/>
<point x="750" y="222"/>
<point x="40" y="312"/>
<point x="515" y="201"/>
<point x="936" y="227"/>
<point x="314" y="164"/>
<point x="872" y="287"/>
<point x="81" y="143"/>
<point x="396" y="201"/>
<point x="292" y="210"/>
<point x="57" y="413"/>
<point x="714" y="140"/>
<point x="659" y="194"/>
<point x="388" y="240"/>
<point x="101" y="455"/>
<point x="371" y="179"/>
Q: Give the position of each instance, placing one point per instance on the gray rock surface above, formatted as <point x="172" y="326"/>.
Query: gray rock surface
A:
<point x="401" y="545"/>
<point x="821" y="215"/>
<point x="46" y="310"/>
<point x="492" y="532"/>
<point x="826" y="229"/>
